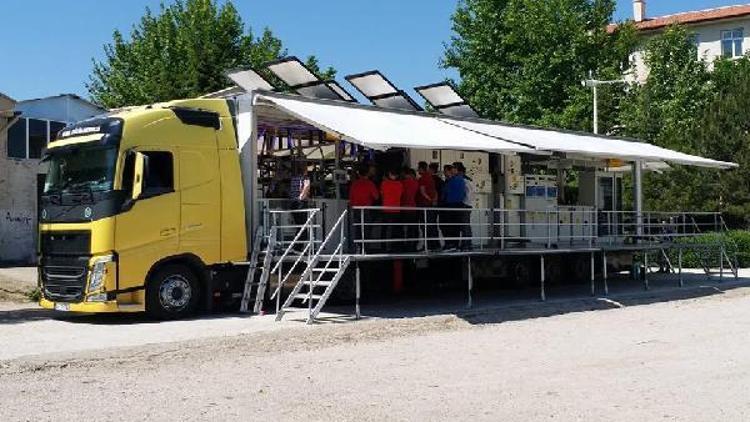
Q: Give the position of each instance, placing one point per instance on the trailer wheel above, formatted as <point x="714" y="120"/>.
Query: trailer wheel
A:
<point x="172" y="293"/>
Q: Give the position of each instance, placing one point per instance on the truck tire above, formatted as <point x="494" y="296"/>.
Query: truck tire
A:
<point x="172" y="293"/>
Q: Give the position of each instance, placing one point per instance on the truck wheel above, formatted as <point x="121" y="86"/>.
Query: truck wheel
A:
<point x="172" y="293"/>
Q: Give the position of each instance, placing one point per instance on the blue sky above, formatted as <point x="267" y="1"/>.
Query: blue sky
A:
<point x="48" y="44"/>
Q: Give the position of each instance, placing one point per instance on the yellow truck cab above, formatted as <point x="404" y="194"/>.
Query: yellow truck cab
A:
<point x="140" y="208"/>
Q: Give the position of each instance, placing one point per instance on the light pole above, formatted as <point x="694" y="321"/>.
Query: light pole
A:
<point x="594" y="84"/>
<point x="637" y="164"/>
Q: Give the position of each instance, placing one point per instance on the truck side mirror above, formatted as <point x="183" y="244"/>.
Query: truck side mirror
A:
<point x="138" y="175"/>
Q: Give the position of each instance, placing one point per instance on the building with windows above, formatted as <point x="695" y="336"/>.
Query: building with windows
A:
<point x="719" y="32"/>
<point x="26" y="127"/>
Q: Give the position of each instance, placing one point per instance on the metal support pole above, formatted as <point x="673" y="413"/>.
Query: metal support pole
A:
<point x="604" y="273"/>
<point x="679" y="266"/>
<point x="638" y="196"/>
<point x="596" y="110"/>
<point x="280" y="289"/>
<point x="504" y="219"/>
<point x="337" y="166"/>
<point x="543" y="294"/>
<point x="721" y="262"/>
<point x="362" y="229"/>
<point x="645" y="270"/>
<point x="470" y="281"/>
<point x="593" y="283"/>
<point x="426" y="249"/>
<point x="549" y="231"/>
<point x="357" y="291"/>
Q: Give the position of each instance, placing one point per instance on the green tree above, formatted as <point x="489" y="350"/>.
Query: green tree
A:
<point x="667" y="110"/>
<point x="180" y="52"/>
<point x="724" y="134"/>
<point x="524" y="60"/>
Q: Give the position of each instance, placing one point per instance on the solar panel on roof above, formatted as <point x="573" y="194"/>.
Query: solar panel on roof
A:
<point x="248" y="79"/>
<point x="292" y="71"/>
<point x="445" y="99"/>
<point x="303" y="81"/>
<point x="381" y="92"/>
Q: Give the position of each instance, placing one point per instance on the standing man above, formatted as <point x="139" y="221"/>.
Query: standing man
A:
<point x="439" y="182"/>
<point x="468" y="203"/>
<point x="454" y="194"/>
<point x="363" y="193"/>
<point x="391" y="191"/>
<point x="427" y="197"/>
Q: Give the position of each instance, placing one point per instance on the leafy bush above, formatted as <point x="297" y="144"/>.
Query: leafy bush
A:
<point x="736" y="243"/>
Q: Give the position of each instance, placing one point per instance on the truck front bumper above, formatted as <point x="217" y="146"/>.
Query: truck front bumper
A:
<point x="91" y="307"/>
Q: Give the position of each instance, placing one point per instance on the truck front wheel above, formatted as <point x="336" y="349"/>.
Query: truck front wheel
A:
<point x="172" y="293"/>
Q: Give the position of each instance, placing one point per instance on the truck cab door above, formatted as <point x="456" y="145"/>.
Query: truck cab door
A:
<point x="147" y="229"/>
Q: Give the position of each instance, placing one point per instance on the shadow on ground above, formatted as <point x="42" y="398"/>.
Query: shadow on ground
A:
<point x="490" y="304"/>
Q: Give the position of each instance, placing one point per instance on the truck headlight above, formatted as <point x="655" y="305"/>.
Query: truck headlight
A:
<point x="99" y="273"/>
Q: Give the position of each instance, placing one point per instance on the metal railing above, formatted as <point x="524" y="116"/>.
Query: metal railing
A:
<point x="432" y="229"/>
<point x="307" y="243"/>
<point x="312" y="264"/>
<point x="656" y="227"/>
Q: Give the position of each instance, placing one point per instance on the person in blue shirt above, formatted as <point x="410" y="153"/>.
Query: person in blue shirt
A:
<point x="465" y="216"/>
<point x="454" y="194"/>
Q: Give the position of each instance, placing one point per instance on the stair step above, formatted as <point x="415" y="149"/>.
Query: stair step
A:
<point x="304" y="296"/>
<point x="321" y="283"/>
<point x="325" y="270"/>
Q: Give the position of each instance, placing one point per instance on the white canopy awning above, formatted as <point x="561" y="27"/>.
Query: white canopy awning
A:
<point x="381" y="129"/>
<point x="586" y="145"/>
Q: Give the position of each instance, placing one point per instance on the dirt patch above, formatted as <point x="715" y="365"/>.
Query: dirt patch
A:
<point x="17" y="284"/>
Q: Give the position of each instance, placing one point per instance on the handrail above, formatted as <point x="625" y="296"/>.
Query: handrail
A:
<point x="316" y="258"/>
<point x="305" y="227"/>
<point x="291" y="269"/>
<point x="551" y="226"/>
<point x="313" y="213"/>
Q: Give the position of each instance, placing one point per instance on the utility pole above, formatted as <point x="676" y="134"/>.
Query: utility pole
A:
<point x="594" y="84"/>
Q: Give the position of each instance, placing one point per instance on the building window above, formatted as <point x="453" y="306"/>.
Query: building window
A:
<point x="17" y="139"/>
<point x="38" y="133"/>
<point x="27" y="138"/>
<point x="731" y="43"/>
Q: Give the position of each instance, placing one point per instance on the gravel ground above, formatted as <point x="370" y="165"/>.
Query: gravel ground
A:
<point x="638" y="357"/>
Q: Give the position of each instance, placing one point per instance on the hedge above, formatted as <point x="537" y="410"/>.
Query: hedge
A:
<point x="736" y="242"/>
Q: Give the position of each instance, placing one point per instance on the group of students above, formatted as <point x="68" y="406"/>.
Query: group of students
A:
<point x="403" y="195"/>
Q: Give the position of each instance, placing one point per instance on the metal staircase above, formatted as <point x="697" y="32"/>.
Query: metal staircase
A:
<point x="260" y="259"/>
<point x="721" y="228"/>
<point x="320" y="277"/>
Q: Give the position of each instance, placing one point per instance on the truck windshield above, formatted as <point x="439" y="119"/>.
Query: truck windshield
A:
<point x="80" y="169"/>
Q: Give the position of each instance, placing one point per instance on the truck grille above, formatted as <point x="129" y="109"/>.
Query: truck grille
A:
<point x="64" y="264"/>
<point x="63" y="283"/>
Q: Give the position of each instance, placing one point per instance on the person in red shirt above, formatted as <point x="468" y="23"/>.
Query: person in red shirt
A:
<point x="428" y="197"/>
<point x="391" y="191"/>
<point x="410" y="216"/>
<point x="363" y="193"/>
